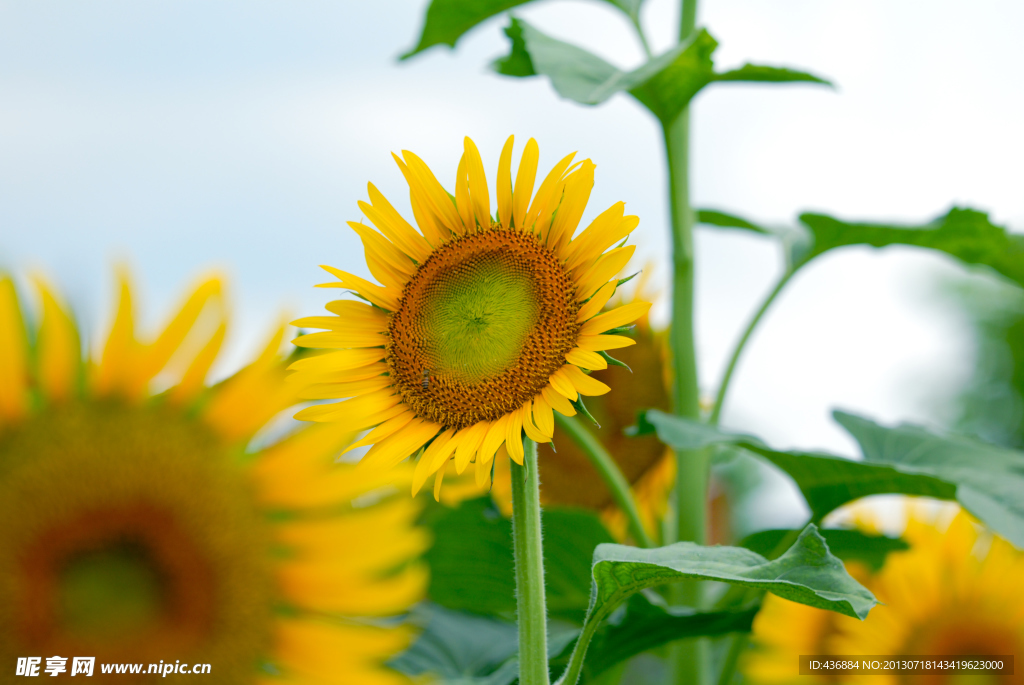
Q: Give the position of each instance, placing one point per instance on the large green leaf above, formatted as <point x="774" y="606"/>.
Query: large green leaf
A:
<point x="966" y="234"/>
<point x="648" y="623"/>
<point x="665" y="84"/>
<point x="989" y="480"/>
<point x="807" y="573"/>
<point x="448" y="20"/>
<point x="458" y="648"/>
<point x="471" y="561"/>
<point x="848" y="545"/>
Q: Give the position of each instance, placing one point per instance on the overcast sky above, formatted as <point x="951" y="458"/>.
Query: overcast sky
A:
<point x="181" y="135"/>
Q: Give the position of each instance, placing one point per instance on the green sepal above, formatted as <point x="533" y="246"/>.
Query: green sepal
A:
<point x="582" y="409"/>
<point x="627" y="279"/>
<point x="613" y="361"/>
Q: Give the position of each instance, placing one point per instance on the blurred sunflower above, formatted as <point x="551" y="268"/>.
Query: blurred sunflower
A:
<point x="482" y="327"/>
<point x="139" y="528"/>
<point x="956" y="591"/>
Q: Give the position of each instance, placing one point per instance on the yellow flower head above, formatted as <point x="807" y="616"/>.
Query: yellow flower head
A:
<point x="481" y="327"/>
<point x="956" y="591"/>
<point x="140" y="529"/>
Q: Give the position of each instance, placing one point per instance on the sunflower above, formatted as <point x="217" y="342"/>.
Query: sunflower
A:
<point x="141" y="528"/>
<point x="956" y="591"/>
<point x="480" y="328"/>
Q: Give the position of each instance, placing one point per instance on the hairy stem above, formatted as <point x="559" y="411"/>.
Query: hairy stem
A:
<point x="529" y="559"/>
<point x="723" y="387"/>
<point x="610" y="473"/>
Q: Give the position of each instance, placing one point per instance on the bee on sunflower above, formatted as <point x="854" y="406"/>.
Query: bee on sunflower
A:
<point x="480" y="327"/>
<point x="145" y="528"/>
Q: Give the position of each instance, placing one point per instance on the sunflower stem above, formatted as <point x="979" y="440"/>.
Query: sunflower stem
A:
<point x="529" y="559"/>
<point x="689" y="657"/>
<point x="610" y="473"/>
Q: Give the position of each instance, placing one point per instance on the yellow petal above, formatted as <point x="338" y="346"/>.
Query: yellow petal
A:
<point x="495" y="436"/>
<point x="462" y="202"/>
<point x="594" y="305"/>
<point x="13" y="355"/>
<point x="337" y="391"/>
<point x="545" y="202"/>
<point x="605" y="269"/>
<point x="194" y="378"/>
<point x="504" y="187"/>
<point x="438" y="479"/>
<point x="478" y="192"/>
<point x="339" y="360"/>
<point x="358" y="314"/>
<point x="351" y="411"/>
<point x="156" y="356"/>
<point x="432" y="191"/>
<point x="593" y="235"/>
<point x="426" y="464"/>
<point x="387" y="219"/>
<point x="620" y="316"/>
<point x="483" y="473"/>
<point x="341" y="323"/>
<point x="558" y="402"/>
<point x="525" y="177"/>
<point x="59" y="351"/>
<point x="469" y="444"/>
<point x="312" y="376"/>
<point x="514" y="435"/>
<point x="385" y="298"/>
<point x="384" y="248"/>
<point x="383" y="430"/>
<point x="586" y="359"/>
<point x="584" y="383"/>
<point x="543" y="418"/>
<point x="595" y="343"/>
<point x="577" y="194"/>
<point x="600" y="241"/>
<point x="340" y="339"/>
<point x="120" y="359"/>
<point x="401" y="445"/>
<point x="561" y="383"/>
<point x="532" y="431"/>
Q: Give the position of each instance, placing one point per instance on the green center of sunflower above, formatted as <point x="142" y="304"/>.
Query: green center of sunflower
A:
<point x="476" y="317"/>
<point x="481" y="327"/>
<point x="137" y="538"/>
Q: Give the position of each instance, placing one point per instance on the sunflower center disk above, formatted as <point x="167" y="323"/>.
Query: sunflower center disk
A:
<point x="482" y="326"/>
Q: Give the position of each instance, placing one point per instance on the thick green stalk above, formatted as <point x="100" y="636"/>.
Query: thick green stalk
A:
<point x="723" y="387"/>
<point x="688" y="658"/>
<point x="609" y="472"/>
<point x="529" y="559"/>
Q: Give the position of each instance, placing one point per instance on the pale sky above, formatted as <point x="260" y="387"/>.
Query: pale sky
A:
<point x="185" y="135"/>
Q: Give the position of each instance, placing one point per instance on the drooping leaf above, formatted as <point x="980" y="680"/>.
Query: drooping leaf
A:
<point x="472" y="560"/>
<point x="712" y="217"/>
<point x="989" y="480"/>
<point x="665" y="84"/>
<point x="848" y="545"/>
<point x="985" y="479"/>
<point x="648" y="623"/>
<point x="806" y="573"/>
<point x="966" y="234"/>
<point x="759" y="73"/>
<point x="459" y="648"/>
<point x="669" y="89"/>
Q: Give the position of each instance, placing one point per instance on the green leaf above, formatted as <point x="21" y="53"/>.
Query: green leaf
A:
<point x="848" y="545"/>
<point x="966" y="234"/>
<point x="458" y="648"/>
<point x="648" y="623"/>
<point x="517" y="62"/>
<point x="668" y="88"/>
<point x="757" y="73"/>
<point x="713" y="217"/>
<point x="447" y="20"/>
<point x="471" y="561"/>
<point x="985" y="479"/>
<point x="806" y="573"/>
<point x="989" y="480"/>
<point x="826" y="481"/>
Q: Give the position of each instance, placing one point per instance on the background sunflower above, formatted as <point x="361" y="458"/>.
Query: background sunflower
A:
<point x="142" y="529"/>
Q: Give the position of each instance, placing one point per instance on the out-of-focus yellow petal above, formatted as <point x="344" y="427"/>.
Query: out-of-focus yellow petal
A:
<point x="13" y="355"/>
<point x="60" y="354"/>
